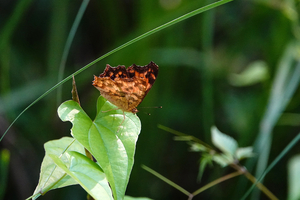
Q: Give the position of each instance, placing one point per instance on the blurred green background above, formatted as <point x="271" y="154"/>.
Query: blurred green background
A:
<point x="216" y="68"/>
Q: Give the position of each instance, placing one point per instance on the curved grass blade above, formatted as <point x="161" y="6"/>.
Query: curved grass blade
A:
<point x="159" y="28"/>
<point x="68" y="45"/>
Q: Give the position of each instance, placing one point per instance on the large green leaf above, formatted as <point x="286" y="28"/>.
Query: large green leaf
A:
<point x="52" y="177"/>
<point x="87" y="173"/>
<point x="113" y="149"/>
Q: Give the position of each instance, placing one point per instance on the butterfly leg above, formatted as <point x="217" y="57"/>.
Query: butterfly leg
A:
<point x="121" y="122"/>
<point x="110" y="110"/>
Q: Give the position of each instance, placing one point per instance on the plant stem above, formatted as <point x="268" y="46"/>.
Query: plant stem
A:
<point x="255" y="181"/>
<point x="215" y="182"/>
<point x="260" y="186"/>
<point x="166" y="180"/>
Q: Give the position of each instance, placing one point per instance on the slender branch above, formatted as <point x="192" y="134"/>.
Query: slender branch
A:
<point x="217" y="181"/>
<point x="166" y="180"/>
<point x="258" y="184"/>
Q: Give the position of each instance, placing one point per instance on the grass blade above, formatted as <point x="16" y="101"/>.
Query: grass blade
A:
<point x="159" y="28"/>
<point x="277" y="159"/>
<point x="68" y="45"/>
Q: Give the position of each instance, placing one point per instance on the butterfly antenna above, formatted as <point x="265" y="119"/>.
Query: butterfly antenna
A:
<point x="146" y="113"/>
<point x="152" y="107"/>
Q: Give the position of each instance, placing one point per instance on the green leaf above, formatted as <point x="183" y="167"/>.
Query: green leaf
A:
<point x="196" y="147"/>
<point x="294" y="178"/>
<point x="87" y="173"/>
<point x="113" y="149"/>
<point x="205" y="160"/>
<point x="52" y="177"/>
<point x="223" y="142"/>
<point x="244" y="152"/>
<point x="223" y="159"/>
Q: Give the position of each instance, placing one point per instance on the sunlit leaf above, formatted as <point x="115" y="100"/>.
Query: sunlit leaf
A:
<point x="114" y="150"/>
<point x="87" y="173"/>
<point x="52" y="177"/>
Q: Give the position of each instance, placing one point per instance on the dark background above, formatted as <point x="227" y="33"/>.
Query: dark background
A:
<point x="196" y="58"/>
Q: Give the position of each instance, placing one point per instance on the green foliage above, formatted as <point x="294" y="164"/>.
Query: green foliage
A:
<point x="86" y="173"/>
<point x="52" y="177"/>
<point x="230" y="155"/>
<point x="230" y="152"/>
<point x="244" y="152"/>
<point x="209" y="75"/>
<point x="114" y="150"/>
<point x="224" y="142"/>
<point x="229" y="148"/>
